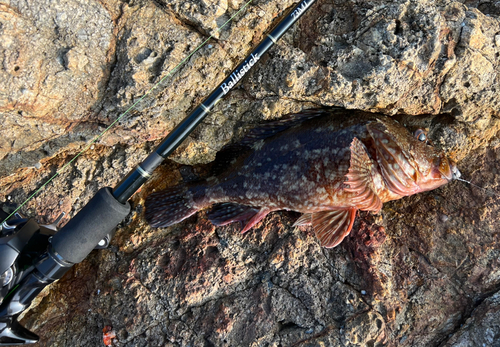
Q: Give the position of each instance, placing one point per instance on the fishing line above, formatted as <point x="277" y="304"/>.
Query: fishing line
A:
<point x="475" y="185"/>
<point x="128" y="110"/>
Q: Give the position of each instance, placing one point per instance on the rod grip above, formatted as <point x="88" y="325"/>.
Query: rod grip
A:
<point x="94" y="221"/>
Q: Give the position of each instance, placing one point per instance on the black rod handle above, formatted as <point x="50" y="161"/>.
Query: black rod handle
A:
<point x="94" y="221"/>
<point x="136" y="178"/>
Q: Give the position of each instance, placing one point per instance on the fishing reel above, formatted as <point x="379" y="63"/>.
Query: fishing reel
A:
<point x="33" y="256"/>
<point x="22" y="242"/>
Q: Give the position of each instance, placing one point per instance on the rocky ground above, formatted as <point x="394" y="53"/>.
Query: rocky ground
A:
<point x="424" y="272"/>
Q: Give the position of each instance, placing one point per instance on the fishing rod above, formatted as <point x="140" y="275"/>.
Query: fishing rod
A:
<point x="33" y="256"/>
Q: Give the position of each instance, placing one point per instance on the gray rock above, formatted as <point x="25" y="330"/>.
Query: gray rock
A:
<point x="482" y="327"/>
<point x="405" y="277"/>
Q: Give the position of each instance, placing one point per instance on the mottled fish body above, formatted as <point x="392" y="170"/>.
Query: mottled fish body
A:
<point x="315" y="162"/>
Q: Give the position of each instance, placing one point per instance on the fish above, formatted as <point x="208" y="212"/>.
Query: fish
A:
<point x="327" y="164"/>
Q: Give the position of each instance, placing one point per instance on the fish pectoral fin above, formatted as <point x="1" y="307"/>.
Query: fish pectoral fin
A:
<point x="305" y="219"/>
<point x="331" y="227"/>
<point x="228" y="212"/>
<point x="360" y="178"/>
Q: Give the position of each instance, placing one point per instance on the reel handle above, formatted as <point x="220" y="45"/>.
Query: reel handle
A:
<point x="12" y="333"/>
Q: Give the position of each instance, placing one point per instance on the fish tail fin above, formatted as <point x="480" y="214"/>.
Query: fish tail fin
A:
<point x="170" y="206"/>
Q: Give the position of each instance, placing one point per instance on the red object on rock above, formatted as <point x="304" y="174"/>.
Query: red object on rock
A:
<point x="108" y="335"/>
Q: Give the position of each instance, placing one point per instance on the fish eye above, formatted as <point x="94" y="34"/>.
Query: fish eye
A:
<point x="420" y="135"/>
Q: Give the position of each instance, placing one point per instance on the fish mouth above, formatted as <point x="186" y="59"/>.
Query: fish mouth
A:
<point x="448" y="169"/>
<point x="455" y="173"/>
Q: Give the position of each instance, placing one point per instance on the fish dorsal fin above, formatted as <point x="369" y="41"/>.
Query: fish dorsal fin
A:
<point x="226" y="156"/>
<point x="360" y="178"/>
<point x="331" y="227"/>
<point x="272" y="128"/>
<point x="255" y="137"/>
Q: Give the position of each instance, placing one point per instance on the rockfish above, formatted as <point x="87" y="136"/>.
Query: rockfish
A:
<point x="316" y="162"/>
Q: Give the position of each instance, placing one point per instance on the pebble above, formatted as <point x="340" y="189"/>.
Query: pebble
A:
<point x="444" y="218"/>
<point x="363" y="292"/>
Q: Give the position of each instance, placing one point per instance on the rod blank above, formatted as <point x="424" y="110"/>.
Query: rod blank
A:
<point x="137" y="177"/>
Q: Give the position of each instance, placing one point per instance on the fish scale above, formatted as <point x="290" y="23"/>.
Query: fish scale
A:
<point x="326" y="164"/>
<point x="294" y="171"/>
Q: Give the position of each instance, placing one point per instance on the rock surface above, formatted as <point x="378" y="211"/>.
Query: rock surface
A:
<point x="424" y="272"/>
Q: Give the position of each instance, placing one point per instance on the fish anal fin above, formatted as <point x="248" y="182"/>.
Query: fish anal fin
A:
<point x="360" y="178"/>
<point x="255" y="219"/>
<point x="227" y="212"/>
<point x="331" y="227"/>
